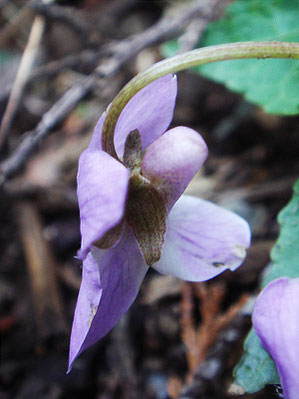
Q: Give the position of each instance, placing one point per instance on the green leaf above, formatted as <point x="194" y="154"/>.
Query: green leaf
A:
<point x="272" y="84"/>
<point x="256" y="368"/>
<point x="285" y="253"/>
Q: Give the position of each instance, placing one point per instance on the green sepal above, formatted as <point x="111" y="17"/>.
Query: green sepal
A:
<point x="146" y="215"/>
<point x="133" y="151"/>
<point x="111" y="237"/>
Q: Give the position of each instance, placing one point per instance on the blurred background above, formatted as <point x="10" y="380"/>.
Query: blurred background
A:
<point x="61" y="64"/>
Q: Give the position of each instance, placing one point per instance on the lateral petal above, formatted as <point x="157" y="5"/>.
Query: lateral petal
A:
<point x="110" y="283"/>
<point x="150" y="111"/>
<point x="276" y="322"/>
<point x="172" y="161"/>
<point x="102" y="185"/>
<point x="202" y="240"/>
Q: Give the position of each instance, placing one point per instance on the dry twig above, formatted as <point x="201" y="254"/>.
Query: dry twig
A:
<point x="22" y="76"/>
<point x="190" y="37"/>
<point x="41" y="268"/>
<point x="207" y="373"/>
<point x="33" y="139"/>
<point x="199" y="341"/>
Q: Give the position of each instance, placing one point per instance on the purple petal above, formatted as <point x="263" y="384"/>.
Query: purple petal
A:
<point x="102" y="191"/>
<point x="110" y="283"/>
<point x="150" y="111"/>
<point x="173" y="160"/>
<point x="96" y="139"/>
<point x="202" y="240"/>
<point x="88" y="301"/>
<point x="276" y="322"/>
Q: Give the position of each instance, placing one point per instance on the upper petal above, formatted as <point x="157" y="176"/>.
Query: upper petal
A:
<point x="102" y="190"/>
<point x="202" y="240"/>
<point x="110" y="283"/>
<point x="173" y="160"/>
<point x="96" y="139"/>
<point x="276" y="322"/>
<point x="150" y="111"/>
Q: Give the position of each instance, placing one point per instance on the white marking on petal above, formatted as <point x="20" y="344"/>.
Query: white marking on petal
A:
<point x="239" y="251"/>
<point x="93" y="313"/>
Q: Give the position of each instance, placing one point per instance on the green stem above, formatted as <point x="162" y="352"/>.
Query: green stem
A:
<point x="190" y="59"/>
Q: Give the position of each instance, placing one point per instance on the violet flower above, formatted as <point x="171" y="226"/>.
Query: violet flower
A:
<point x="276" y="322"/>
<point x="132" y="216"/>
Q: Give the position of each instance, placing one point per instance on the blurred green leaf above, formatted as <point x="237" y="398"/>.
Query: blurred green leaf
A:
<point x="285" y="253"/>
<point x="256" y="368"/>
<point x="272" y="84"/>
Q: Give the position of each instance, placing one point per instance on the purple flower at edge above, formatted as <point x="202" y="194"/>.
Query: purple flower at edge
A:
<point x="276" y="322"/>
<point x="133" y="214"/>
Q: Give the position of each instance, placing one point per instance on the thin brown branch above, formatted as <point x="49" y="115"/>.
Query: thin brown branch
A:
<point x="123" y="52"/>
<point x="41" y="269"/>
<point x="190" y="37"/>
<point x="199" y="340"/>
<point x="55" y="115"/>
<point x="208" y="372"/>
<point x="22" y="76"/>
<point x="189" y="333"/>
<point x="167" y="28"/>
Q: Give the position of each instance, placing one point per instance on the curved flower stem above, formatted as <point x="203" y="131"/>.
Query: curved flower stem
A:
<point x="190" y="59"/>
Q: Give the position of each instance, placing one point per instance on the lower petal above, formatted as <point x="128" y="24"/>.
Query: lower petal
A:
<point x="110" y="283"/>
<point x="276" y="322"/>
<point x="202" y="240"/>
